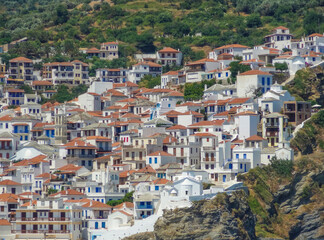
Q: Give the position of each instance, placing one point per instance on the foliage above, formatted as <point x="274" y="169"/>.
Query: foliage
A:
<point x="51" y="191"/>
<point x="27" y="89"/>
<point x="194" y="91"/>
<point x="236" y="67"/>
<point x="149" y="81"/>
<point x="127" y="198"/>
<point x="309" y="137"/>
<point x="281" y="66"/>
<point x="281" y="166"/>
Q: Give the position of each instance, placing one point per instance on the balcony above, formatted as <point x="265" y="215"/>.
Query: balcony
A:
<point x="40" y="231"/>
<point x="274" y="124"/>
<point x="81" y="155"/>
<point x="144" y="207"/>
<point x="6" y="148"/>
<point x="209" y="159"/>
<point x="35" y="219"/>
<point x="20" y="131"/>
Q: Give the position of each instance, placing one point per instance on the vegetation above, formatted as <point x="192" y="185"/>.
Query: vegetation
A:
<point x="236" y="67"/>
<point x="51" y="191"/>
<point x="65" y="94"/>
<point x="281" y="66"/>
<point x="150" y="82"/>
<point x="310" y="137"/>
<point x="194" y="91"/>
<point x="127" y="198"/>
<point x="56" y="29"/>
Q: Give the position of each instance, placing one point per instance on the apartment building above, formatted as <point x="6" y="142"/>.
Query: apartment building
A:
<point x="21" y="68"/>
<point x="118" y="75"/>
<point x="275" y="128"/>
<point x="279" y="39"/>
<point x="141" y="69"/>
<point x="297" y="111"/>
<point x="109" y="50"/>
<point x="169" y="56"/>
<point x="44" y="218"/>
<point x="73" y="73"/>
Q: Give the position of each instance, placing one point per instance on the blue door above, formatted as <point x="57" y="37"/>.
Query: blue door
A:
<point x="96" y="225"/>
<point x="224" y="178"/>
<point x="230" y="166"/>
<point x="244" y="167"/>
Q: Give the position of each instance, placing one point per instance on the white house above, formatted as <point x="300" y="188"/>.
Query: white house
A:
<point x="159" y="158"/>
<point x="294" y="63"/>
<point x="141" y="69"/>
<point x="169" y="56"/>
<point x="233" y="49"/>
<point x="250" y="81"/>
<point x="90" y="101"/>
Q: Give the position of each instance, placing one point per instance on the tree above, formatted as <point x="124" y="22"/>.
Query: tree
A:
<point x="127" y="198"/>
<point x="236" y="67"/>
<point x="281" y="66"/>
<point x="62" y="14"/>
<point x="145" y="42"/>
<point x="27" y="89"/>
<point x="63" y="94"/>
<point x="313" y="22"/>
<point x="150" y="82"/>
<point x="253" y="20"/>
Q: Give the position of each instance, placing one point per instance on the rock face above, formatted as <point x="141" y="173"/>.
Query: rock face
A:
<point x="224" y="217"/>
<point x="298" y="194"/>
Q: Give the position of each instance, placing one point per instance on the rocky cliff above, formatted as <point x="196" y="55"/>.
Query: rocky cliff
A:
<point x="308" y="84"/>
<point x="224" y="217"/>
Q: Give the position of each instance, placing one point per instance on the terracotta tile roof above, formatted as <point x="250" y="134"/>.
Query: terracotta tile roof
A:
<point x="126" y="173"/>
<point x="123" y="212"/>
<point x="96" y="204"/>
<point x="150" y="64"/>
<point x="67" y="193"/>
<point x="147" y="169"/>
<point x="99" y="138"/>
<point x="175" y="94"/>
<point x="4" y="222"/>
<point x="168" y="50"/>
<point x="232" y="46"/>
<point x="207" y="123"/>
<point x="160" y="181"/>
<point x="193" y="113"/>
<point x="172" y="113"/>
<point x="9" y="197"/>
<point x="255" y="138"/>
<point x="21" y="59"/>
<point x="115" y="144"/>
<point x="69" y="167"/>
<point x="29" y="193"/>
<point x="201" y="61"/>
<point x="169" y="139"/>
<point x="170" y="73"/>
<point x="161" y="153"/>
<point x="281" y="27"/>
<point x="190" y="104"/>
<point x="177" y="127"/>
<point x="42" y="83"/>
<point x="8" y="182"/>
<point x="78" y="144"/>
<point x="125" y="205"/>
<point x="254" y="72"/>
<point x="93" y="94"/>
<point x="316" y="35"/>
<point x="238" y="101"/>
<point x="130" y="115"/>
<point x="203" y="134"/>
<point x="6" y="118"/>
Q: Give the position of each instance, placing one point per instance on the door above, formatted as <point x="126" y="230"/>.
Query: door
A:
<point x="23" y="216"/>
<point x="62" y="216"/>
<point x="23" y="228"/>
<point x="224" y="178"/>
<point x="50" y="216"/>
<point x="50" y="228"/>
<point x="96" y="225"/>
<point x="13" y="190"/>
<point x="34" y="228"/>
<point x="34" y="215"/>
<point x="244" y="167"/>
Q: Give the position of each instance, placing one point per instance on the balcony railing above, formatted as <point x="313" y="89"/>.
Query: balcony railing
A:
<point x="81" y="155"/>
<point x="272" y="124"/>
<point x="40" y="231"/>
<point x="44" y="219"/>
<point x="6" y="148"/>
<point x="144" y="207"/>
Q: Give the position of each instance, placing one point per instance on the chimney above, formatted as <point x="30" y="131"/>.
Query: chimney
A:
<point x="205" y="87"/>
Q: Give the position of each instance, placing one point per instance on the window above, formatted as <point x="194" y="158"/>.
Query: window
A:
<point x="268" y="81"/>
<point x="155" y="160"/>
<point x="237" y="156"/>
<point x="127" y="154"/>
<point x="98" y="189"/>
<point x="207" y="139"/>
<point x="244" y="156"/>
<point x="150" y="160"/>
<point x="156" y="188"/>
<point x="263" y="81"/>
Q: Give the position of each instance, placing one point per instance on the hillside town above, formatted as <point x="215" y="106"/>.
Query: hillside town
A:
<point x="106" y="164"/>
